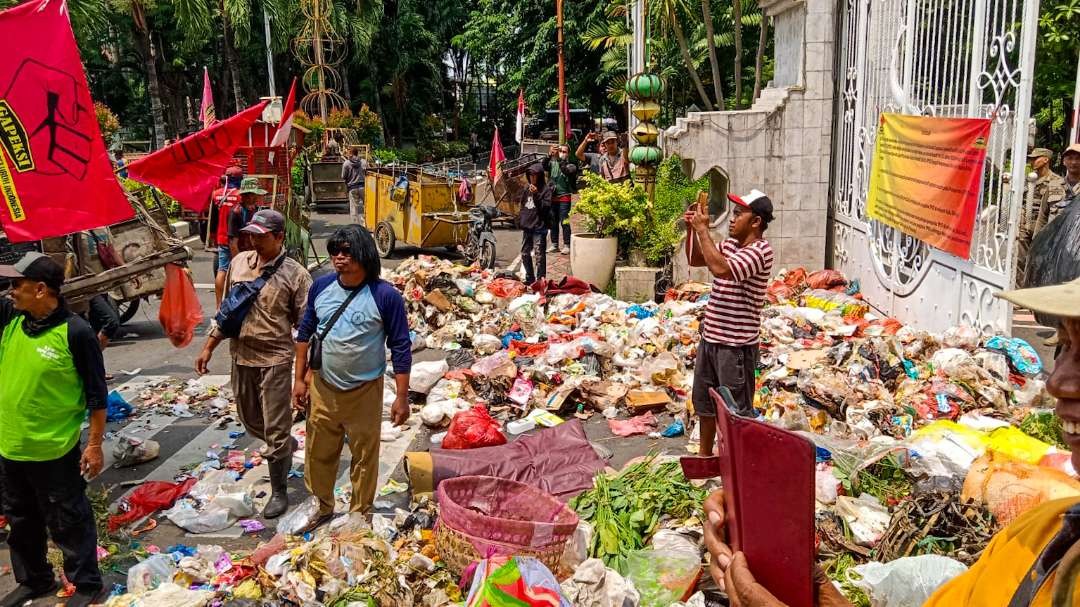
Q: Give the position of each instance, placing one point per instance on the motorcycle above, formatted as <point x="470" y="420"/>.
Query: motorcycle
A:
<point x="479" y="247"/>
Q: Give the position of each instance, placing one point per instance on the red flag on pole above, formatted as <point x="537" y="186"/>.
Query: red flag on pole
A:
<point x="206" y="112"/>
<point x="55" y="173"/>
<point x="281" y="136"/>
<point x="519" y="132"/>
<point x="190" y="169"/>
<point x="498" y="156"/>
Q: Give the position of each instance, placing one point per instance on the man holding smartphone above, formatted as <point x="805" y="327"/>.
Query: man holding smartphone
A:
<point x="728" y="351"/>
<point x="51" y="374"/>
<point x="611" y="163"/>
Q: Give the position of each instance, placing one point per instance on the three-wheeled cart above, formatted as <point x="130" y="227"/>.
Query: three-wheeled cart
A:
<point x="406" y="205"/>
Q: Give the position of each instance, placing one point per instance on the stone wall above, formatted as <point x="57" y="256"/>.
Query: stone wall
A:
<point x="781" y="145"/>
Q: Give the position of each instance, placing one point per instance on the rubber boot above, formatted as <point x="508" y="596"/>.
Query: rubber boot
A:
<point x="279" y="499"/>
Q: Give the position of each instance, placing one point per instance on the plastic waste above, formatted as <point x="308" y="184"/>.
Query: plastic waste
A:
<point x="595" y="585"/>
<point x="662" y="577"/>
<point x="131" y="451"/>
<point x="389" y="432"/>
<point x="425" y="375"/>
<point x="865" y="516"/>
<point x="150" y="573"/>
<point x="117" y="408"/>
<point x="473" y="428"/>
<point x="299" y="518"/>
<point x="147" y="499"/>
<point x="496" y="365"/>
<point x="906" y="581"/>
<point x="518" y="426"/>
<point x="675" y="429"/>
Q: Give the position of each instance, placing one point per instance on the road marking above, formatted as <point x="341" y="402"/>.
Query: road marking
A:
<point x="205" y="286"/>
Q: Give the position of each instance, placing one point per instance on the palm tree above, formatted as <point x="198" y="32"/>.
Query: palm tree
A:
<point x="710" y="38"/>
<point x="763" y="38"/>
<point x="736" y="18"/>
<point x="670" y="11"/>
<point x="144" y="44"/>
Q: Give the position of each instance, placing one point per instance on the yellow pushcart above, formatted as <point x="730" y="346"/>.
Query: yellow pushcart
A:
<point x="407" y="205"/>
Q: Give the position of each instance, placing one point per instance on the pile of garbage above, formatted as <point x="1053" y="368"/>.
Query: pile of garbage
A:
<point x="927" y="444"/>
<point x="904" y="420"/>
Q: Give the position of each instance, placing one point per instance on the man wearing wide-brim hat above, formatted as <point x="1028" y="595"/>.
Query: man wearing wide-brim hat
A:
<point x="239" y="217"/>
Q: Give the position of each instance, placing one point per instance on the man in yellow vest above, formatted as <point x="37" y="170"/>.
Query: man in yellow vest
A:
<point x="51" y="374"/>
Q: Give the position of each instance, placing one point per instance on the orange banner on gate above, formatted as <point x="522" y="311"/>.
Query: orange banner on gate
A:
<point x="926" y="178"/>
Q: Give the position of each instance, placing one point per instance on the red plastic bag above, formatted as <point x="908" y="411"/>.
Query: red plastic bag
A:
<point x="505" y="287"/>
<point x="147" y="499"/>
<point x="180" y="311"/>
<point x="826" y="279"/>
<point x="473" y="428"/>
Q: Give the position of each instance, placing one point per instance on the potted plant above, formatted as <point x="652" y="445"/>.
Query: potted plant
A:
<point x="611" y="211"/>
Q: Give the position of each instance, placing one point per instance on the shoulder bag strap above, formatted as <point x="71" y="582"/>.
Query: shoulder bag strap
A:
<point x="339" y="312"/>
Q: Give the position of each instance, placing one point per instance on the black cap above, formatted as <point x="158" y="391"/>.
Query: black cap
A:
<point x="758" y="203"/>
<point x="37" y="267"/>
<point x="266" y="221"/>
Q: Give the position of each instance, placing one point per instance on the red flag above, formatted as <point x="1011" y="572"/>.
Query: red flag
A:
<point x="190" y="169"/>
<point x="519" y="132"/>
<point x="498" y="156"/>
<point x="281" y="137"/>
<point x="55" y="173"/>
<point x="206" y="112"/>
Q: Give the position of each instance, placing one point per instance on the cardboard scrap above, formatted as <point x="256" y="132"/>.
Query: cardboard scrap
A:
<point x="645" y="400"/>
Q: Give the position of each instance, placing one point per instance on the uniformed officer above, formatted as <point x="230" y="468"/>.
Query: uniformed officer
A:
<point x="1049" y="190"/>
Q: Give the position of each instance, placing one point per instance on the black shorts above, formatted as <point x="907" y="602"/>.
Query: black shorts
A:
<point x="720" y="365"/>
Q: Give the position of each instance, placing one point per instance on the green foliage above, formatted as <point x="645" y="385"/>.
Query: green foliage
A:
<point x="837" y="570"/>
<point x="673" y="194"/>
<point x="384" y="156"/>
<point x="625" y="510"/>
<point x="107" y="121"/>
<point x="1045" y="426"/>
<point x="368" y="125"/>
<point x="298" y="172"/>
<point x="1055" y="69"/>
<point x="149" y="195"/>
<point x="612" y="209"/>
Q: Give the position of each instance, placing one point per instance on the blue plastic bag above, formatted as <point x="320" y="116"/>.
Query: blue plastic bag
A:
<point x="116" y="408"/>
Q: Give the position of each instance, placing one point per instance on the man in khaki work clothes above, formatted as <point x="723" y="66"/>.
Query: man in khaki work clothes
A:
<point x="1049" y="191"/>
<point x="263" y="352"/>
<point x="347" y="390"/>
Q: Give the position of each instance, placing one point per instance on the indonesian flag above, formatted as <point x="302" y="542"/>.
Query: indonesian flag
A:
<point x="281" y="137"/>
<point x="519" y="132"/>
<point x="190" y="169"/>
<point x="55" y="173"/>
<point x="206" y="112"/>
<point x="498" y="156"/>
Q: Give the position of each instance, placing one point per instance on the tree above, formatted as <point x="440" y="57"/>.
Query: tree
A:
<point x="736" y="6"/>
<point x="672" y="10"/>
<point x="710" y="38"/>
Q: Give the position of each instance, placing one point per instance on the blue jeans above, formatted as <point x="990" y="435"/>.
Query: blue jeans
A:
<point x="224" y="256"/>
<point x="560" y="212"/>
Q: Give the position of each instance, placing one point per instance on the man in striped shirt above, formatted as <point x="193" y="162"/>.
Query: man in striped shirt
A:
<point x="728" y="352"/>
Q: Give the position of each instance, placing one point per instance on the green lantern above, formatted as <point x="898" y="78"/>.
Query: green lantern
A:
<point x="646" y="155"/>
<point x="644" y="86"/>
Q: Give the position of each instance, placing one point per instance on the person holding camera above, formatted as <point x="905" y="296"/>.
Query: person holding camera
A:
<point x="563" y="174"/>
<point x="611" y="163"/>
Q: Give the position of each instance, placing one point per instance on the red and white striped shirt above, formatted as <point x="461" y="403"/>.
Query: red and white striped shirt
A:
<point x="733" y="315"/>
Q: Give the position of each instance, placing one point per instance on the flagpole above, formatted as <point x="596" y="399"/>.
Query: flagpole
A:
<point x="269" y="56"/>
<point x="563" y="108"/>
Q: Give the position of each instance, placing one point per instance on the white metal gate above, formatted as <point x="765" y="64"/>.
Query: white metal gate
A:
<point x="954" y="58"/>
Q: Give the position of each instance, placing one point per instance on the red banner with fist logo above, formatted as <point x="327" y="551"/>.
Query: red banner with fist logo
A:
<point x="55" y="173"/>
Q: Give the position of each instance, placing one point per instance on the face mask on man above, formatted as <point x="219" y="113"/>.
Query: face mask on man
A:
<point x="563" y="155"/>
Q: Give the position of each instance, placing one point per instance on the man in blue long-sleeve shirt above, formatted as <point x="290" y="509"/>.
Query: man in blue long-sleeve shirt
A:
<point x="346" y="393"/>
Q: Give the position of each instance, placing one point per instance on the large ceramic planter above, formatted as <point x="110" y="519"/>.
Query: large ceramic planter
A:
<point x="592" y="258"/>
